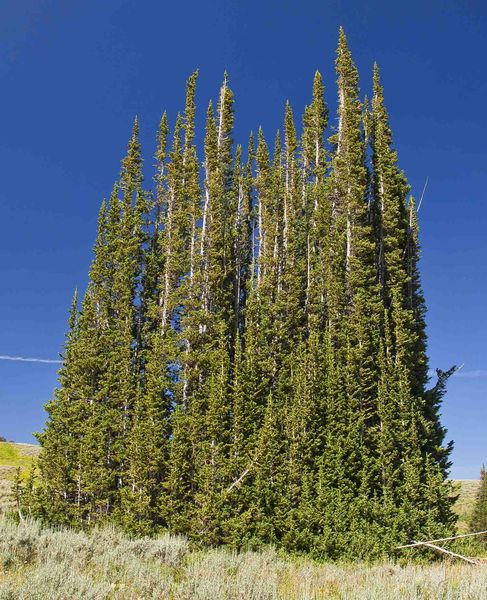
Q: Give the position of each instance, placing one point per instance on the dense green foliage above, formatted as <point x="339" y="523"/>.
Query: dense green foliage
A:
<point x="248" y="365"/>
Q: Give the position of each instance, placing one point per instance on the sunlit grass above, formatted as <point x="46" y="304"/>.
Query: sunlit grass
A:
<point x="39" y="563"/>
<point x="17" y="455"/>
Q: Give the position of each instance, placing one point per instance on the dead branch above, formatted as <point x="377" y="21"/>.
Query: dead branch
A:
<point x="237" y="481"/>
<point x="454" y="537"/>
<point x="448" y="552"/>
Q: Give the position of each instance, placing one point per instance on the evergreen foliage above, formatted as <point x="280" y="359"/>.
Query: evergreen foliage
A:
<point x="248" y="364"/>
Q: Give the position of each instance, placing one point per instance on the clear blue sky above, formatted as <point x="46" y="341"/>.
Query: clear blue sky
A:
<point x="74" y="74"/>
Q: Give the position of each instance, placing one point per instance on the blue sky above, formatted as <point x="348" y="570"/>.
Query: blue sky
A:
<point x="74" y="74"/>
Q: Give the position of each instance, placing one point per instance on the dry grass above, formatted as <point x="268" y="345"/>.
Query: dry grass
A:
<point x="467" y="490"/>
<point x="28" y="450"/>
<point x="39" y="563"/>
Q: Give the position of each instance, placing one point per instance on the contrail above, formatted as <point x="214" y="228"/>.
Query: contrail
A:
<point x="29" y="359"/>
<point x="473" y="374"/>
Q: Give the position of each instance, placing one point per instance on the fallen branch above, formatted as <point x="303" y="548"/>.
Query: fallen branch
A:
<point x="454" y="537"/>
<point x="447" y="552"/>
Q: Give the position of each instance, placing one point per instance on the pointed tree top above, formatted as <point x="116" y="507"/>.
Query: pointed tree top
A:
<point x="288" y="116"/>
<point x="74" y="302"/>
<point x="162" y="138"/>
<point x="163" y="121"/>
<point x="190" y="89"/>
<point x="238" y="156"/>
<point x="250" y="148"/>
<point x="277" y="149"/>
<point x="176" y="143"/>
<point x="135" y="127"/>
<point x="345" y="67"/>
<point x="342" y="38"/>
<point x="189" y="109"/>
<point x="114" y="193"/>
<point x="376" y="79"/>
<point x="277" y="140"/>
<point x="261" y="141"/>
<point x="262" y="150"/>
<point x="318" y="86"/>
<point x="131" y="174"/>
<point x="289" y="129"/>
<point x="73" y="312"/>
<point x="103" y="212"/>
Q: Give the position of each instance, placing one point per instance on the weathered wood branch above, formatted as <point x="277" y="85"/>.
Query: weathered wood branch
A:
<point x="449" y="553"/>
<point x="454" y="537"/>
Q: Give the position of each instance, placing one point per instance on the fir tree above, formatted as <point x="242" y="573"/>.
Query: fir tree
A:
<point x="61" y="438"/>
<point x="211" y="404"/>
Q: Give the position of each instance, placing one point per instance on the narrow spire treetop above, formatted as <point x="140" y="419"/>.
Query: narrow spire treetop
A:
<point x="345" y="67"/>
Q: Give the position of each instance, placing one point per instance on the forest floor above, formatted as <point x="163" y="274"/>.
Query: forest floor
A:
<point x="38" y="563"/>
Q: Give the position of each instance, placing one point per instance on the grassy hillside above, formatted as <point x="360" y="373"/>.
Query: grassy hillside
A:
<point x="13" y="456"/>
<point x="467" y="490"/>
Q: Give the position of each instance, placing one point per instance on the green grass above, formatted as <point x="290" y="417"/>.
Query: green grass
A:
<point x="17" y="455"/>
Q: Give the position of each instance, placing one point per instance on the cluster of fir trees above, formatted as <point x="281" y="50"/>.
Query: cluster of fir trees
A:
<point x="248" y="364"/>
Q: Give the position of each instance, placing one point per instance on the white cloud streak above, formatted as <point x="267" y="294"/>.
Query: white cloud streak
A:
<point x="478" y="373"/>
<point x="29" y="359"/>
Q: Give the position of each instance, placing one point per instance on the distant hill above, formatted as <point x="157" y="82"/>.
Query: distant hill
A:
<point x="467" y="492"/>
<point x="13" y="456"/>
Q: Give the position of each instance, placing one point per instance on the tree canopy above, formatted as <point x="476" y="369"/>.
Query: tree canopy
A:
<point x="248" y="364"/>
